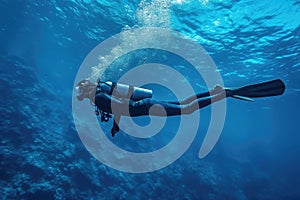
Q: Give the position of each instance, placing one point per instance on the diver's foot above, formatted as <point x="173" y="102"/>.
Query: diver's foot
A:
<point x="229" y="92"/>
<point x="218" y="89"/>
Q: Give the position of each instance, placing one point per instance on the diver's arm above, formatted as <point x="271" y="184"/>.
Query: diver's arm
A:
<point x="117" y="104"/>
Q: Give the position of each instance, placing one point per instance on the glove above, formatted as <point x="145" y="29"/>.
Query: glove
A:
<point x="114" y="129"/>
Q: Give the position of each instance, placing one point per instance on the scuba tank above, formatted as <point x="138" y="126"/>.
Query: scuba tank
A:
<point x="125" y="91"/>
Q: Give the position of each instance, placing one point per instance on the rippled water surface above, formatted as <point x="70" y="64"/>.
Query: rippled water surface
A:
<point x="42" y="45"/>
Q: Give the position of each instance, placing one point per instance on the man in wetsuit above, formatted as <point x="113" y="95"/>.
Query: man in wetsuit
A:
<point x="111" y="104"/>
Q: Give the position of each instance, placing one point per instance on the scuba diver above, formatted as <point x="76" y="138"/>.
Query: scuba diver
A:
<point x="120" y="99"/>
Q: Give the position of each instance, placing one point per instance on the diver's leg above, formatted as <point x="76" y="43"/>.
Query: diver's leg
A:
<point x="194" y="97"/>
<point x="153" y="107"/>
<point x="189" y="99"/>
<point x="160" y="108"/>
<point x="200" y="103"/>
<point x="167" y="109"/>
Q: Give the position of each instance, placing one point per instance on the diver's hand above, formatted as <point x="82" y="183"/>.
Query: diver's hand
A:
<point x="115" y="127"/>
<point x="114" y="130"/>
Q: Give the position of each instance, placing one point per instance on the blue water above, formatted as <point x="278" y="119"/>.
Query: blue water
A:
<point x="42" y="45"/>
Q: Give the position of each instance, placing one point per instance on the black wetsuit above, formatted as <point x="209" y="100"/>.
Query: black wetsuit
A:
<point x="149" y="106"/>
<point x="127" y="107"/>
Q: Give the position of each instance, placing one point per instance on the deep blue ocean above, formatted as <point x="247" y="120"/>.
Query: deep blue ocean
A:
<point x="42" y="46"/>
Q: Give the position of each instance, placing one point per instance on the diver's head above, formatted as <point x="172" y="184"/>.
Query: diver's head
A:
<point x="86" y="89"/>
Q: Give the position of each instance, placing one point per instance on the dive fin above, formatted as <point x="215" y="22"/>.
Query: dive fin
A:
<point x="242" y="98"/>
<point x="265" y="89"/>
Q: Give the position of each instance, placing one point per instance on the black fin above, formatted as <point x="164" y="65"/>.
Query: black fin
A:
<point x="265" y="89"/>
